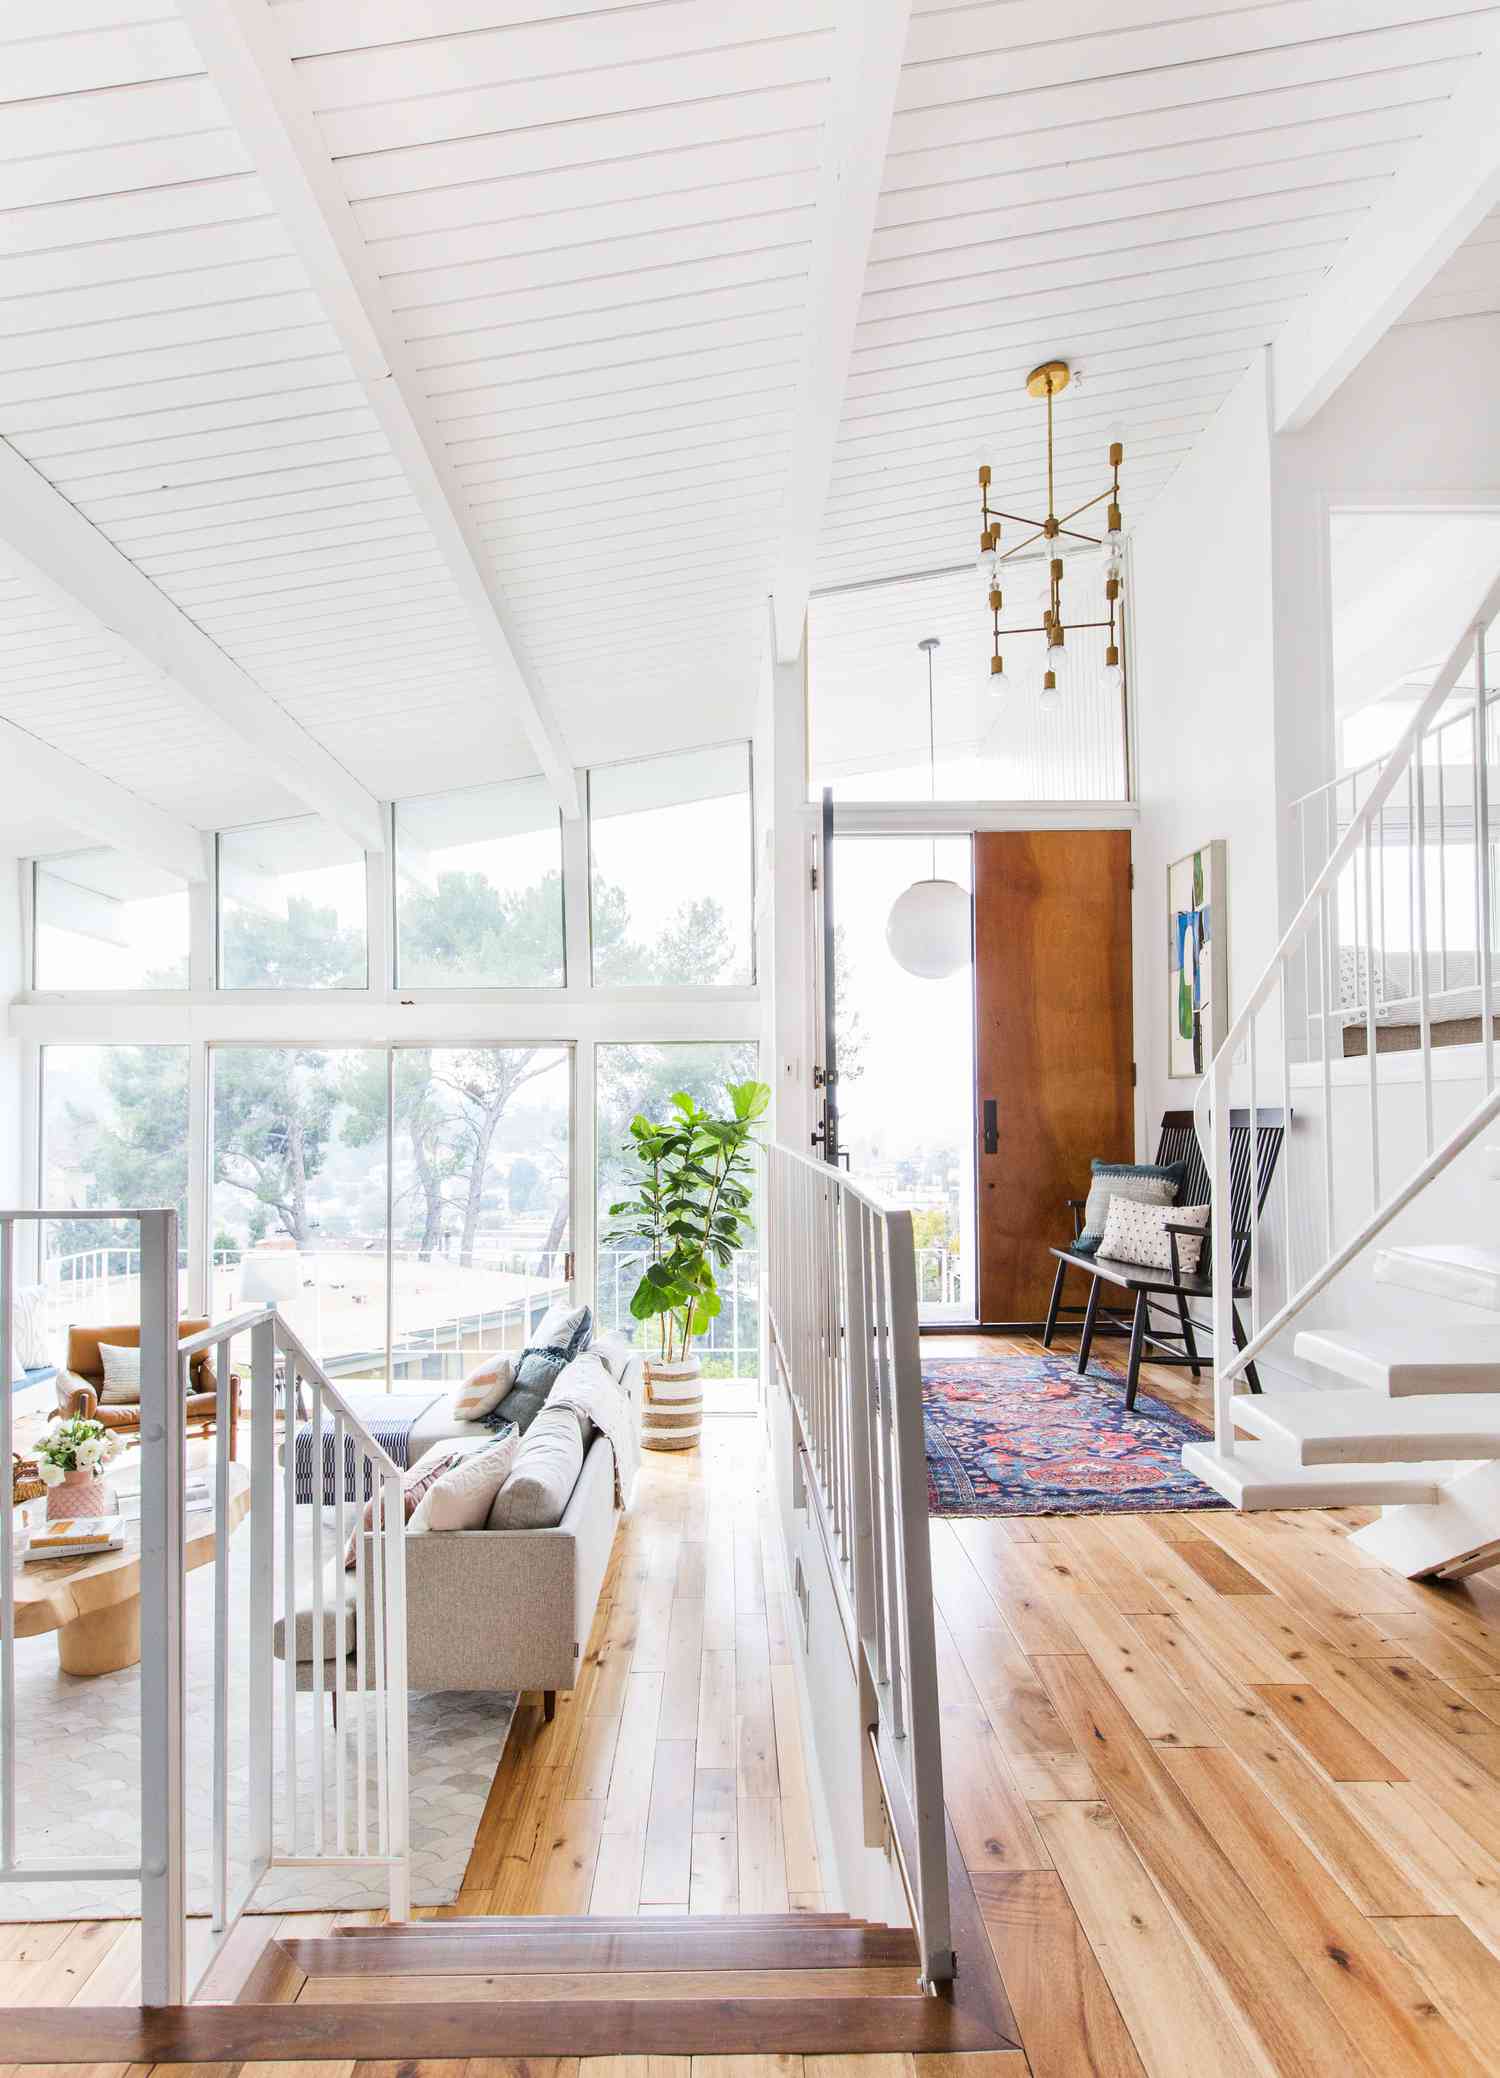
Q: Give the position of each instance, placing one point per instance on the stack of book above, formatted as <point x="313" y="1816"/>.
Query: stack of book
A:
<point x="84" y="1536"/>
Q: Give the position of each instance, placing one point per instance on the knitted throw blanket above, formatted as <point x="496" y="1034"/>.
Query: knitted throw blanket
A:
<point x="587" y="1387"/>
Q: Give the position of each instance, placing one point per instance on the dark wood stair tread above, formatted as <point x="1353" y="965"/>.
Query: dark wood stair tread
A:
<point x="514" y="1948"/>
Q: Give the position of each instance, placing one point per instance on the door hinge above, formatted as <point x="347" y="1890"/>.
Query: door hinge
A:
<point x="813" y="879"/>
<point x="1131" y="871"/>
<point x="1132" y="1075"/>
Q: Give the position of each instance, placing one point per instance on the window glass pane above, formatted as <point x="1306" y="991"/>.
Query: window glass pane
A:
<point x="291" y="907"/>
<point x="114" y="1132"/>
<point x="867" y="693"/>
<point x="479" y="899"/>
<point x="670" y="853"/>
<point x="299" y="1166"/>
<point x="106" y="921"/>
<point x="481" y="1228"/>
<point x="641" y="1078"/>
<point x="906" y="1061"/>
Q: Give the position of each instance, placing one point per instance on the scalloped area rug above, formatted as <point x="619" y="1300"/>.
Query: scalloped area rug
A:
<point x="1020" y="1433"/>
<point x="78" y="1773"/>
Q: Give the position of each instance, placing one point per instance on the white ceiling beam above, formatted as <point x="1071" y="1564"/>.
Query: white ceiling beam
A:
<point x="1445" y="187"/>
<point x="870" y="44"/>
<point x="54" y="548"/>
<point x="245" y="56"/>
<point x="84" y="800"/>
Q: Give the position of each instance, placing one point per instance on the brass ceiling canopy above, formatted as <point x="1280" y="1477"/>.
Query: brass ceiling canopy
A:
<point x="1049" y="381"/>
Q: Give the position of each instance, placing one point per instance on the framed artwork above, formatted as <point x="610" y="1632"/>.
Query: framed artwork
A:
<point x="1197" y="958"/>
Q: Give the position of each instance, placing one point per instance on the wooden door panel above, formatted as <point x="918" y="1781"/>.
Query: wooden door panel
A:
<point x="1053" y="1011"/>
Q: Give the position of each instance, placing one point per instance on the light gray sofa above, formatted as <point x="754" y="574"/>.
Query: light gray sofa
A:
<point x="495" y="1609"/>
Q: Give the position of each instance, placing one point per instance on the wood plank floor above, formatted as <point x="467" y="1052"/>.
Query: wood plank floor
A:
<point x="1229" y="1794"/>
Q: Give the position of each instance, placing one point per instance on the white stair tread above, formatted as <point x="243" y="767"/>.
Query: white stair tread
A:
<point x="1363" y="1428"/>
<point x="1443" y="1270"/>
<point x="1443" y="1357"/>
<point x="1267" y="1475"/>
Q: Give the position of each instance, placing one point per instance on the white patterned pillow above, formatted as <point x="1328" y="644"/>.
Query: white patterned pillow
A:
<point x="122" y="1375"/>
<point x="484" y="1388"/>
<point x="461" y="1498"/>
<point x="1136" y="1233"/>
<point x="30" y="1328"/>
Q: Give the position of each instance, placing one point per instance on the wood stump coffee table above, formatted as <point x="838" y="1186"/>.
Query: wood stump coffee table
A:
<point x="94" y="1604"/>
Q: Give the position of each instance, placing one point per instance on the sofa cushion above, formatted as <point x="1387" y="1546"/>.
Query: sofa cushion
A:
<point x="540" y="1483"/>
<point x="415" y="1481"/>
<point x="460" y="1498"/>
<point x="542" y="1362"/>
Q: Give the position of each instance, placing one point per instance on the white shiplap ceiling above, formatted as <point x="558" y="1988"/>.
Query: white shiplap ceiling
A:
<point x="591" y="228"/>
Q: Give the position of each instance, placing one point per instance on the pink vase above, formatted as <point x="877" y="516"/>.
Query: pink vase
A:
<point x="81" y="1493"/>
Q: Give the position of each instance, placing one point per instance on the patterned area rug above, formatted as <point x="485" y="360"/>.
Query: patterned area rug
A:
<point x="1023" y="1434"/>
<point x="78" y="1749"/>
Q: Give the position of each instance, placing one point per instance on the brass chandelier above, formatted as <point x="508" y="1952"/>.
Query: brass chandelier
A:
<point x="1046" y="537"/>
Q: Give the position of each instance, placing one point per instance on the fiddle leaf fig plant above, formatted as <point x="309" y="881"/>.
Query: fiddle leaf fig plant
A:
<point x="691" y="1210"/>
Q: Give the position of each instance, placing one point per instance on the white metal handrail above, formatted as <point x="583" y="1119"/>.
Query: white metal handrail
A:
<point x="843" y="1319"/>
<point x="355" y="1813"/>
<point x="1297" y="1013"/>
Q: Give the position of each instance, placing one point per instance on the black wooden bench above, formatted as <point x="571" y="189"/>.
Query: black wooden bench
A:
<point x="1172" y="1289"/>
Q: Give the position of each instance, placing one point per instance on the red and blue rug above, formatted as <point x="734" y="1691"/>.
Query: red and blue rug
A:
<point x="1023" y="1434"/>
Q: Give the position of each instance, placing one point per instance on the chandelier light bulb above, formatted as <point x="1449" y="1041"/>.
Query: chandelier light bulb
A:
<point x="1113" y="673"/>
<point x="997" y="680"/>
<point x="1051" y="698"/>
<point x="1056" y="655"/>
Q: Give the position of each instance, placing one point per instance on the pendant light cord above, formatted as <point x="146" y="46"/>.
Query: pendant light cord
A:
<point x="931" y="757"/>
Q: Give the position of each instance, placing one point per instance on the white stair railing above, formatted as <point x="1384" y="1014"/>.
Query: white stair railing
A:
<point x="843" y="1318"/>
<point x="351" y="1811"/>
<point x="1373" y="941"/>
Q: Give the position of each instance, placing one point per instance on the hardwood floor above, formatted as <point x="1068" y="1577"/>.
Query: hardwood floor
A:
<point x="673" y="1778"/>
<point x="1229" y="1794"/>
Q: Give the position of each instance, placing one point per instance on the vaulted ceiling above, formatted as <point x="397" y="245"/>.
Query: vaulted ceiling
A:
<point x="444" y="362"/>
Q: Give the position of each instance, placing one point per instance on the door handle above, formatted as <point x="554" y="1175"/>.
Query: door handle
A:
<point x="991" y="1126"/>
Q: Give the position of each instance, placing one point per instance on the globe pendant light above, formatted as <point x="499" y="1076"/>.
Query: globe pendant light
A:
<point x="928" y="929"/>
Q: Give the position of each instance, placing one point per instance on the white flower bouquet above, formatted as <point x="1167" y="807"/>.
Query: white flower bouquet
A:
<point x="74" y="1446"/>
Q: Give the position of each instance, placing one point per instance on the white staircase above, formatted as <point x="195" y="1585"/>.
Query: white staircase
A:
<point x="1406" y="847"/>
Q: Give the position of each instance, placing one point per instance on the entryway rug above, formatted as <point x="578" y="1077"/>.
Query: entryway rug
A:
<point x="1020" y="1433"/>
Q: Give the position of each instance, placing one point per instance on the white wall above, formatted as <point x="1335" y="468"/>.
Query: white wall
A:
<point x="1203" y="669"/>
<point x="11" y="1105"/>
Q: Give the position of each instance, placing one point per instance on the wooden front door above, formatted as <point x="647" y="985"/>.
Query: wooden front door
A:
<point x="1054" y="1046"/>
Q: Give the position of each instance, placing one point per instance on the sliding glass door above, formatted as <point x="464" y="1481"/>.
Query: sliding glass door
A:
<point x="406" y="1207"/>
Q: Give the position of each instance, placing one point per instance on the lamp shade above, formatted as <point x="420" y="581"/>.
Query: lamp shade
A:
<point x="928" y="929"/>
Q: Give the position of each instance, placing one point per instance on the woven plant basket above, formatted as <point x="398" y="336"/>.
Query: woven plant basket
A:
<point x="672" y="1413"/>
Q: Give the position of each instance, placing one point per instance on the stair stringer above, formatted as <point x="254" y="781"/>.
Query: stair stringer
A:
<point x="1457" y="1534"/>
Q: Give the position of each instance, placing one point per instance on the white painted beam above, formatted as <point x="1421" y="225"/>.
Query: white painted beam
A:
<point x="243" y="51"/>
<point x="870" y="44"/>
<point x="85" y="800"/>
<point x="1445" y="187"/>
<point x="56" y="549"/>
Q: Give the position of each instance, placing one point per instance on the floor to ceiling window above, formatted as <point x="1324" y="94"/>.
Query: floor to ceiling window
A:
<point x="906" y="1061"/>
<point x="642" y="1078"/>
<point x="114" y="1132"/>
<point x="446" y="1240"/>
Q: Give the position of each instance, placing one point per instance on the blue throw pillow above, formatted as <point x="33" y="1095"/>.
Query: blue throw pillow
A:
<point x="542" y="1363"/>
<point x="1148" y="1183"/>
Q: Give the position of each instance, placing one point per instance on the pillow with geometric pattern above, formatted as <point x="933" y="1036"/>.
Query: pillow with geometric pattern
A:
<point x="1152" y="1183"/>
<point x="1136" y="1233"/>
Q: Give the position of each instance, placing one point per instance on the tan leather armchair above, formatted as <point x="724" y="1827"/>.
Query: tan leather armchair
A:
<point x="79" y="1385"/>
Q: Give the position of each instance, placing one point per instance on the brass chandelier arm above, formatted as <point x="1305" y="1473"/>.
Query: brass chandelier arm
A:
<point x="1046" y="382"/>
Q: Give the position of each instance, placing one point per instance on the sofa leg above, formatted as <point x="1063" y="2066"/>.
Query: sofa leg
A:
<point x="549" y="1704"/>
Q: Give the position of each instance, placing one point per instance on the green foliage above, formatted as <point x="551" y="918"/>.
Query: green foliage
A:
<point x="691" y="1209"/>
<point x="306" y="948"/>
